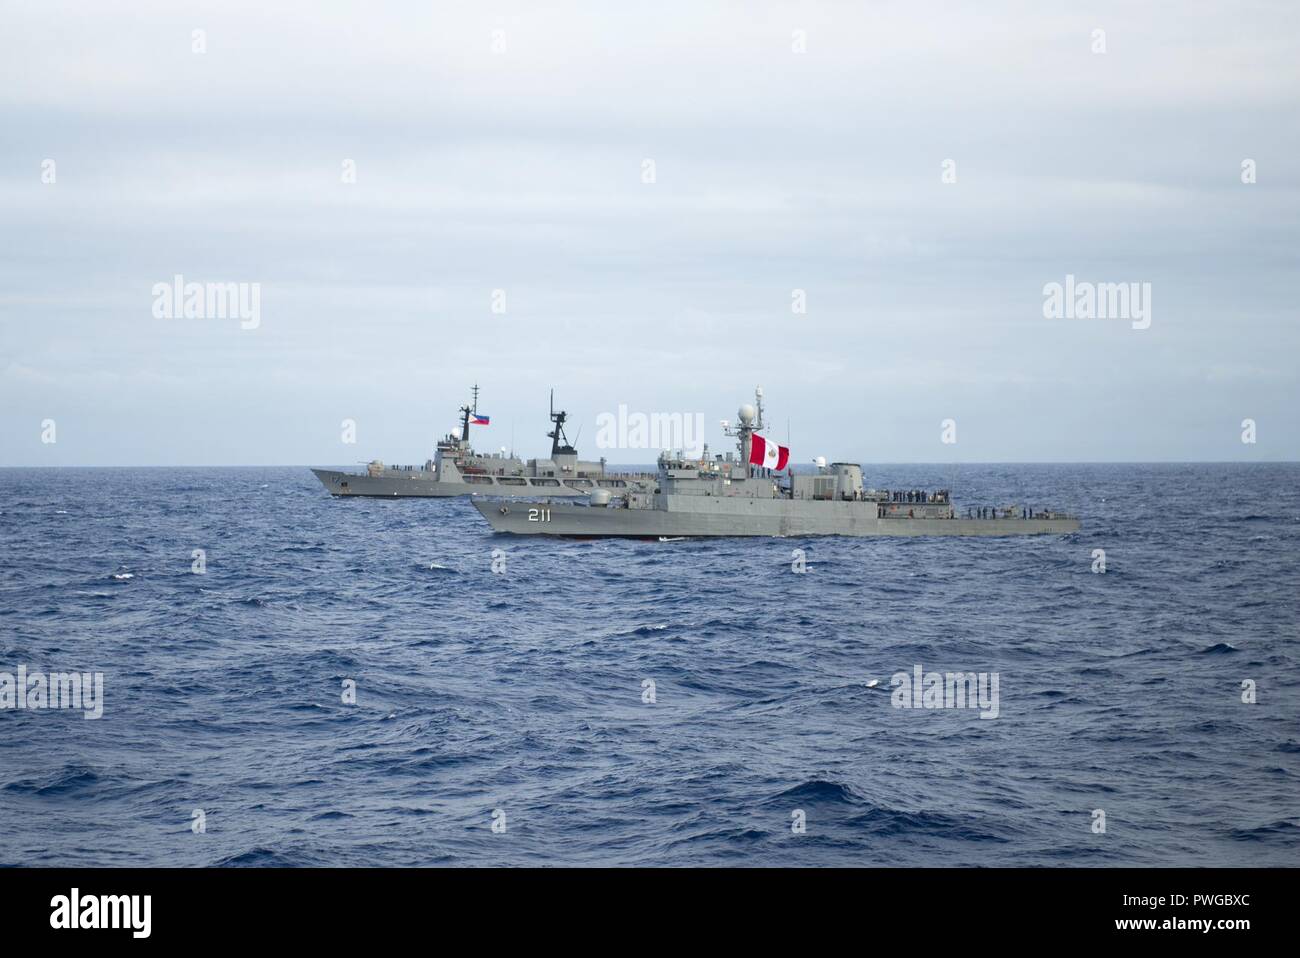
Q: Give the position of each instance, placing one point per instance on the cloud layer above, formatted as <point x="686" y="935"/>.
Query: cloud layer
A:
<point x="503" y="147"/>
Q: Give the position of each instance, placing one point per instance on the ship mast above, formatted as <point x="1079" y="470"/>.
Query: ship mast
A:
<point x="559" y="441"/>
<point x="749" y="420"/>
<point x="465" y="412"/>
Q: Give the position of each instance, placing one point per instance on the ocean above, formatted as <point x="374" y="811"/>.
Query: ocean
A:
<point x="349" y="682"/>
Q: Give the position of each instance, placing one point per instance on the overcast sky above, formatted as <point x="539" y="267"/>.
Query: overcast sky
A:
<point x="502" y="147"/>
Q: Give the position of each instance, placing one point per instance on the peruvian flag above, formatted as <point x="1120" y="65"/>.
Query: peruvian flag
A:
<point x="766" y="453"/>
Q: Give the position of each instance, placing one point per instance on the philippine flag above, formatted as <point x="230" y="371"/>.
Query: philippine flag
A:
<point x="479" y="420"/>
<point x="765" y="453"/>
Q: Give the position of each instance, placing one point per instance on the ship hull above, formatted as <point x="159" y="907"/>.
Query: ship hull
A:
<point x="718" y="517"/>
<point x="424" y="486"/>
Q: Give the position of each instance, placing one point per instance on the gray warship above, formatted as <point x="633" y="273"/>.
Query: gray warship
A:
<point x="457" y="470"/>
<point x="730" y="496"/>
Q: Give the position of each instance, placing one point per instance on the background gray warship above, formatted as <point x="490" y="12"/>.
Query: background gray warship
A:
<point x="727" y="496"/>
<point x="456" y="470"/>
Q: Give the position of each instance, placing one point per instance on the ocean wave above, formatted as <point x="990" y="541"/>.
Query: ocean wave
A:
<point x="1219" y="648"/>
<point x="523" y="693"/>
<point x="1281" y="832"/>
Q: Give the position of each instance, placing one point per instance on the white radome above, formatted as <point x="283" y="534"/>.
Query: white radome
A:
<point x="746" y="414"/>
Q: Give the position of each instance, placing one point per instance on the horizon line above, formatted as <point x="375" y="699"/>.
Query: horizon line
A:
<point x="615" y="465"/>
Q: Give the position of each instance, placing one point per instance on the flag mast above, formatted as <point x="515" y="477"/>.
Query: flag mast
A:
<point x="465" y="411"/>
<point x="749" y="419"/>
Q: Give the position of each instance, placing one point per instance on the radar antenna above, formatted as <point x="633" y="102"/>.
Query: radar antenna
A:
<point x="749" y="420"/>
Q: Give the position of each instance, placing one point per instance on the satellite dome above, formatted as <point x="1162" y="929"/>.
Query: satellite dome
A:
<point x="746" y="414"/>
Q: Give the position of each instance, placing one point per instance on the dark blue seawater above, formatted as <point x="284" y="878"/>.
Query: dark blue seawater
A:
<point x="522" y="691"/>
